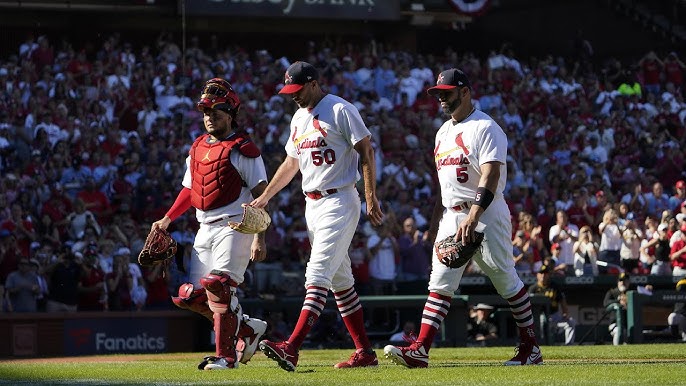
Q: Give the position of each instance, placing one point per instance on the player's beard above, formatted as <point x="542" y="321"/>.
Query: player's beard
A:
<point x="452" y="106"/>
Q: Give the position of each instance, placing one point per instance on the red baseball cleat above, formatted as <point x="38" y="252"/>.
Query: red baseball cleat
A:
<point x="526" y="354"/>
<point x="412" y="356"/>
<point x="283" y="353"/>
<point x="360" y="358"/>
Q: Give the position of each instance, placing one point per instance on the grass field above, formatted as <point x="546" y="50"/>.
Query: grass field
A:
<point x="657" y="364"/>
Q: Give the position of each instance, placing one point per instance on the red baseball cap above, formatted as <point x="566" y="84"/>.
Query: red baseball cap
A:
<point x="297" y="75"/>
<point x="680" y="184"/>
<point x="555" y="246"/>
<point x="448" y="80"/>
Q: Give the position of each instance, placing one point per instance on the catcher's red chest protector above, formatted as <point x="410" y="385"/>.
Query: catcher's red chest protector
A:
<point x="215" y="181"/>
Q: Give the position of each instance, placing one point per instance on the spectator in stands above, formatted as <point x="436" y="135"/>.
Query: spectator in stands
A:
<point x="615" y="302"/>
<point x="585" y="253"/>
<point x="74" y="178"/>
<point x="657" y="200"/>
<point x="651" y="67"/>
<point x="657" y="251"/>
<point x="139" y="293"/>
<point x="629" y="252"/>
<point x="80" y="219"/>
<point x="120" y="282"/>
<point x="679" y="197"/>
<point x="581" y="212"/>
<point x="677" y="253"/>
<point x="564" y="234"/>
<point x="95" y="201"/>
<point x="21" y="227"/>
<point x="480" y="327"/>
<point x="558" y="318"/>
<point x="64" y="276"/>
<point x="610" y="238"/>
<point x="382" y="265"/>
<point x="522" y="251"/>
<point x="156" y="280"/>
<point x="635" y="199"/>
<point x="414" y="250"/>
<point x="22" y="288"/>
<point x="92" y="286"/>
<point x="359" y="259"/>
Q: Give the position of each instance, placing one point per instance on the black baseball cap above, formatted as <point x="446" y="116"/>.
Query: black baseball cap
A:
<point x="448" y="80"/>
<point x="297" y="75"/>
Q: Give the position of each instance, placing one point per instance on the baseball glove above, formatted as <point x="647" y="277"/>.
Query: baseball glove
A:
<point x="255" y="220"/>
<point x="454" y="254"/>
<point x="159" y="246"/>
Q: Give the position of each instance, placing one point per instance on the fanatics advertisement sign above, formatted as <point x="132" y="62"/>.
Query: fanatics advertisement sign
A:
<point x="111" y="336"/>
<point x="314" y="9"/>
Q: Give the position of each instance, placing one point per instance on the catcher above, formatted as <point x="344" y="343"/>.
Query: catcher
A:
<point x="224" y="169"/>
<point x="470" y="154"/>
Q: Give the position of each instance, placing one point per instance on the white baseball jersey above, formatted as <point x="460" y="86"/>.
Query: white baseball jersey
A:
<point x="322" y="140"/>
<point x="460" y="150"/>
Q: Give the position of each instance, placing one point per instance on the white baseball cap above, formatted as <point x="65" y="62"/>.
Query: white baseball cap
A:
<point x="662" y="227"/>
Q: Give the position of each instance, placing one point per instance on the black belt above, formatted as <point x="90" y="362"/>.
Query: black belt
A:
<point x="316" y="194"/>
<point x="220" y="219"/>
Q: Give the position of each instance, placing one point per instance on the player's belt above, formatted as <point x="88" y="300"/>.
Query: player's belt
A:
<point x="316" y="194"/>
<point x="460" y="207"/>
<point x="220" y="219"/>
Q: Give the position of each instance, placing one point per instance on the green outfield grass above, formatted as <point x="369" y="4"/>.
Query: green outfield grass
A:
<point x="658" y="364"/>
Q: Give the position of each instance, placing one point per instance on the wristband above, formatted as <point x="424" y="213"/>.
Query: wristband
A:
<point x="483" y="197"/>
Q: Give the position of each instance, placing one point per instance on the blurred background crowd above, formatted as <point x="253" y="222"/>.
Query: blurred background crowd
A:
<point x="93" y="141"/>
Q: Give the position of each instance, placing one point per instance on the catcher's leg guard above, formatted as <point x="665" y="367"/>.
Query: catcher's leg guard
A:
<point x="193" y="299"/>
<point x="222" y="300"/>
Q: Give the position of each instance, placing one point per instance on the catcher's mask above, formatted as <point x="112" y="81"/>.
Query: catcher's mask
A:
<point x="218" y="94"/>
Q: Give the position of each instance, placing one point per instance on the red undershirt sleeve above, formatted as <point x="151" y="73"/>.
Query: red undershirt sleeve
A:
<point x="181" y="205"/>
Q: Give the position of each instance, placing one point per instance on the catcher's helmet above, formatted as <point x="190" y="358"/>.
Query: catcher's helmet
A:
<point x="218" y="94"/>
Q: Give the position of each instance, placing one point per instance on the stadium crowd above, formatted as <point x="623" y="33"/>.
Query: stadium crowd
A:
<point x="93" y="141"/>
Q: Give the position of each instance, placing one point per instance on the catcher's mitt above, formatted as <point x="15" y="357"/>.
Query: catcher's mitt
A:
<point x="454" y="254"/>
<point x="255" y="220"/>
<point x="159" y="246"/>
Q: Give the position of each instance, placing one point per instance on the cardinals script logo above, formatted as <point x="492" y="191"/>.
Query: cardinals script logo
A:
<point x="445" y="158"/>
<point x="302" y="142"/>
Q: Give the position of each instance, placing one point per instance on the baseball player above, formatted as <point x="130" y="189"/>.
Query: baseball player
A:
<point x="558" y="318"/>
<point x="327" y="139"/>
<point x="470" y="154"/>
<point x="224" y="169"/>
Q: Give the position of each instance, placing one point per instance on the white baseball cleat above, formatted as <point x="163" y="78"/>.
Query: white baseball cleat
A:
<point x="250" y="343"/>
